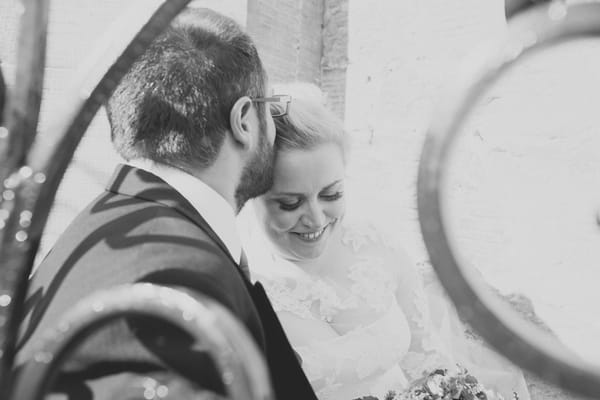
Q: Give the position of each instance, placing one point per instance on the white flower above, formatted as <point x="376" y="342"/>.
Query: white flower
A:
<point x="434" y="384"/>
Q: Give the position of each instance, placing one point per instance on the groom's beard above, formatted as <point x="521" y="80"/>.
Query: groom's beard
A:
<point x="257" y="176"/>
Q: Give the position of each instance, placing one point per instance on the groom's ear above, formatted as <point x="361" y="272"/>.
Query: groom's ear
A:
<point x="240" y="119"/>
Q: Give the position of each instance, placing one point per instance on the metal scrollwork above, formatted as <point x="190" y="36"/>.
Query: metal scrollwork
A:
<point x="534" y="28"/>
<point x="18" y="134"/>
<point x="513" y="7"/>
<point x="30" y="173"/>
<point x="241" y="365"/>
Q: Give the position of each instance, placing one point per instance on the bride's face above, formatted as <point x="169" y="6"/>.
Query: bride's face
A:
<point x="305" y="204"/>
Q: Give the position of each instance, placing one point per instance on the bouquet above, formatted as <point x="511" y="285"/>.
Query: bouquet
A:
<point x="440" y="385"/>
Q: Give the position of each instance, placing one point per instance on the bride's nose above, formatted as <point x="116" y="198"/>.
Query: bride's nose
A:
<point x="314" y="217"/>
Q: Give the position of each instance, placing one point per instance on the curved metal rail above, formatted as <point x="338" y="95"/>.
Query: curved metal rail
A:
<point x="23" y="107"/>
<point x="21" y="120"/>
<point x="241" y="365"/>
<point x="538" y="27"/>
<point x="4" y="132"/>
<point x="33" y="178"/>
<point x="513" y="7"/>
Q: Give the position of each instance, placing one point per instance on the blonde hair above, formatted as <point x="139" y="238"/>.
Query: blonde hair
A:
<point x="309" y="122"/>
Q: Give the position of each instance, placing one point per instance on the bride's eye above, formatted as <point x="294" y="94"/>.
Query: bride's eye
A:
<point x="333" y="196"/>
<point x="287" y="205"/>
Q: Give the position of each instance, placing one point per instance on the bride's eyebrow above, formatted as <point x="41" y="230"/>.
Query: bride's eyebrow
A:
<point x="331" y="185"/>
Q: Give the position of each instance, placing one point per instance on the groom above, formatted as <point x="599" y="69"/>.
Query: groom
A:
<point x="198" y="138"/>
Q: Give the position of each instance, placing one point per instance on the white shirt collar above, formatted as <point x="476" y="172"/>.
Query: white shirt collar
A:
<point x="210" y="204"/>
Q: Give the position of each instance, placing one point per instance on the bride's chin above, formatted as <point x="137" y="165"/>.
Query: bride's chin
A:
<point x="309" y="251"/>
<point x="304" y="258"/>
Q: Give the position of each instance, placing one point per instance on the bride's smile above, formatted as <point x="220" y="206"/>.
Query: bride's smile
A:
<point x="311" y="236"/>
<point x="316" y="235"/>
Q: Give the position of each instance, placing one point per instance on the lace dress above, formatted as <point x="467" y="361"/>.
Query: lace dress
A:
<point x="375" y="315"/>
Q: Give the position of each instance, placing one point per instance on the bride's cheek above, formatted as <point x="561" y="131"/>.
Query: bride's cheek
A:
<point x="283" y="222"/>
<point x="287" y="224"/>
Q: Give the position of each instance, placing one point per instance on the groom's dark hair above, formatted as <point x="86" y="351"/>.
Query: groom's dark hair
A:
<point x="174" y="105"/>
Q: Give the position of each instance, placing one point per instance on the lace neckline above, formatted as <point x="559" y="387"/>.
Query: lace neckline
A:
<point x="362" y="281"/>
<point x="312" y="297"/>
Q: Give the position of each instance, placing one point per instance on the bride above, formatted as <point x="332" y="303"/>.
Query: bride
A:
<point x="351" y="302"/>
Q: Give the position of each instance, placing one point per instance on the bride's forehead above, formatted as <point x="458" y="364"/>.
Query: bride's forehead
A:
<point x="309" y="168"/>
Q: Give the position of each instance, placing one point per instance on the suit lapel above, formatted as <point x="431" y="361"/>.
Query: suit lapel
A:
<point x="135" y="182"/>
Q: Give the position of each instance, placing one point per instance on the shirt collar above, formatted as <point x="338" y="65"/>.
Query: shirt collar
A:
<point x="210" y="204"/>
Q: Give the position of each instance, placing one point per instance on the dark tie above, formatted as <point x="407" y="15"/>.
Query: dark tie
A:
<point x="244" y="265"/>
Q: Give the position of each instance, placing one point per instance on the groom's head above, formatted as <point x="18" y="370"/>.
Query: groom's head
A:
<point x="188" y="102"/>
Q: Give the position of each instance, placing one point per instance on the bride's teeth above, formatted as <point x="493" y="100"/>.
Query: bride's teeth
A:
<point x="312" y="235"/>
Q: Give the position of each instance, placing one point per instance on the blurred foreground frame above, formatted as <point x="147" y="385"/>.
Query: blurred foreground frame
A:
<point x="532" y="26"/>
<point x="30" y="174"/>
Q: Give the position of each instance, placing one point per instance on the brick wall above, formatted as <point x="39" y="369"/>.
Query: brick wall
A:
<point x="288" y="36"/>
<point x="304" y="40"/>
<point x="334" y="63"/>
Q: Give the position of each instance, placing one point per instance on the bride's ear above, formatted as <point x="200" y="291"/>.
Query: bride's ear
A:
<point x="240" y="119"/>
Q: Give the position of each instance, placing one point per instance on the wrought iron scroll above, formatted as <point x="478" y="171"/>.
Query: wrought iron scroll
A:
<point x="513" y="7"/>
<point x="538" y="27"/>
<point x="24" y="103"/>
<point x="31" y="174"/>
<point x="241" y="365"/>
<point x="4" y="132"/>
<point x="21" y="119"/>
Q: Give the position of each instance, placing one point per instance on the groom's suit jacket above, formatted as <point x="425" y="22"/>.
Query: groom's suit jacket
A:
<point x="142" y="230"/>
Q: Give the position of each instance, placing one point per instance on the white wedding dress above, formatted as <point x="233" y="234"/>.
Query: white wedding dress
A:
<point x="381" y="316"/>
